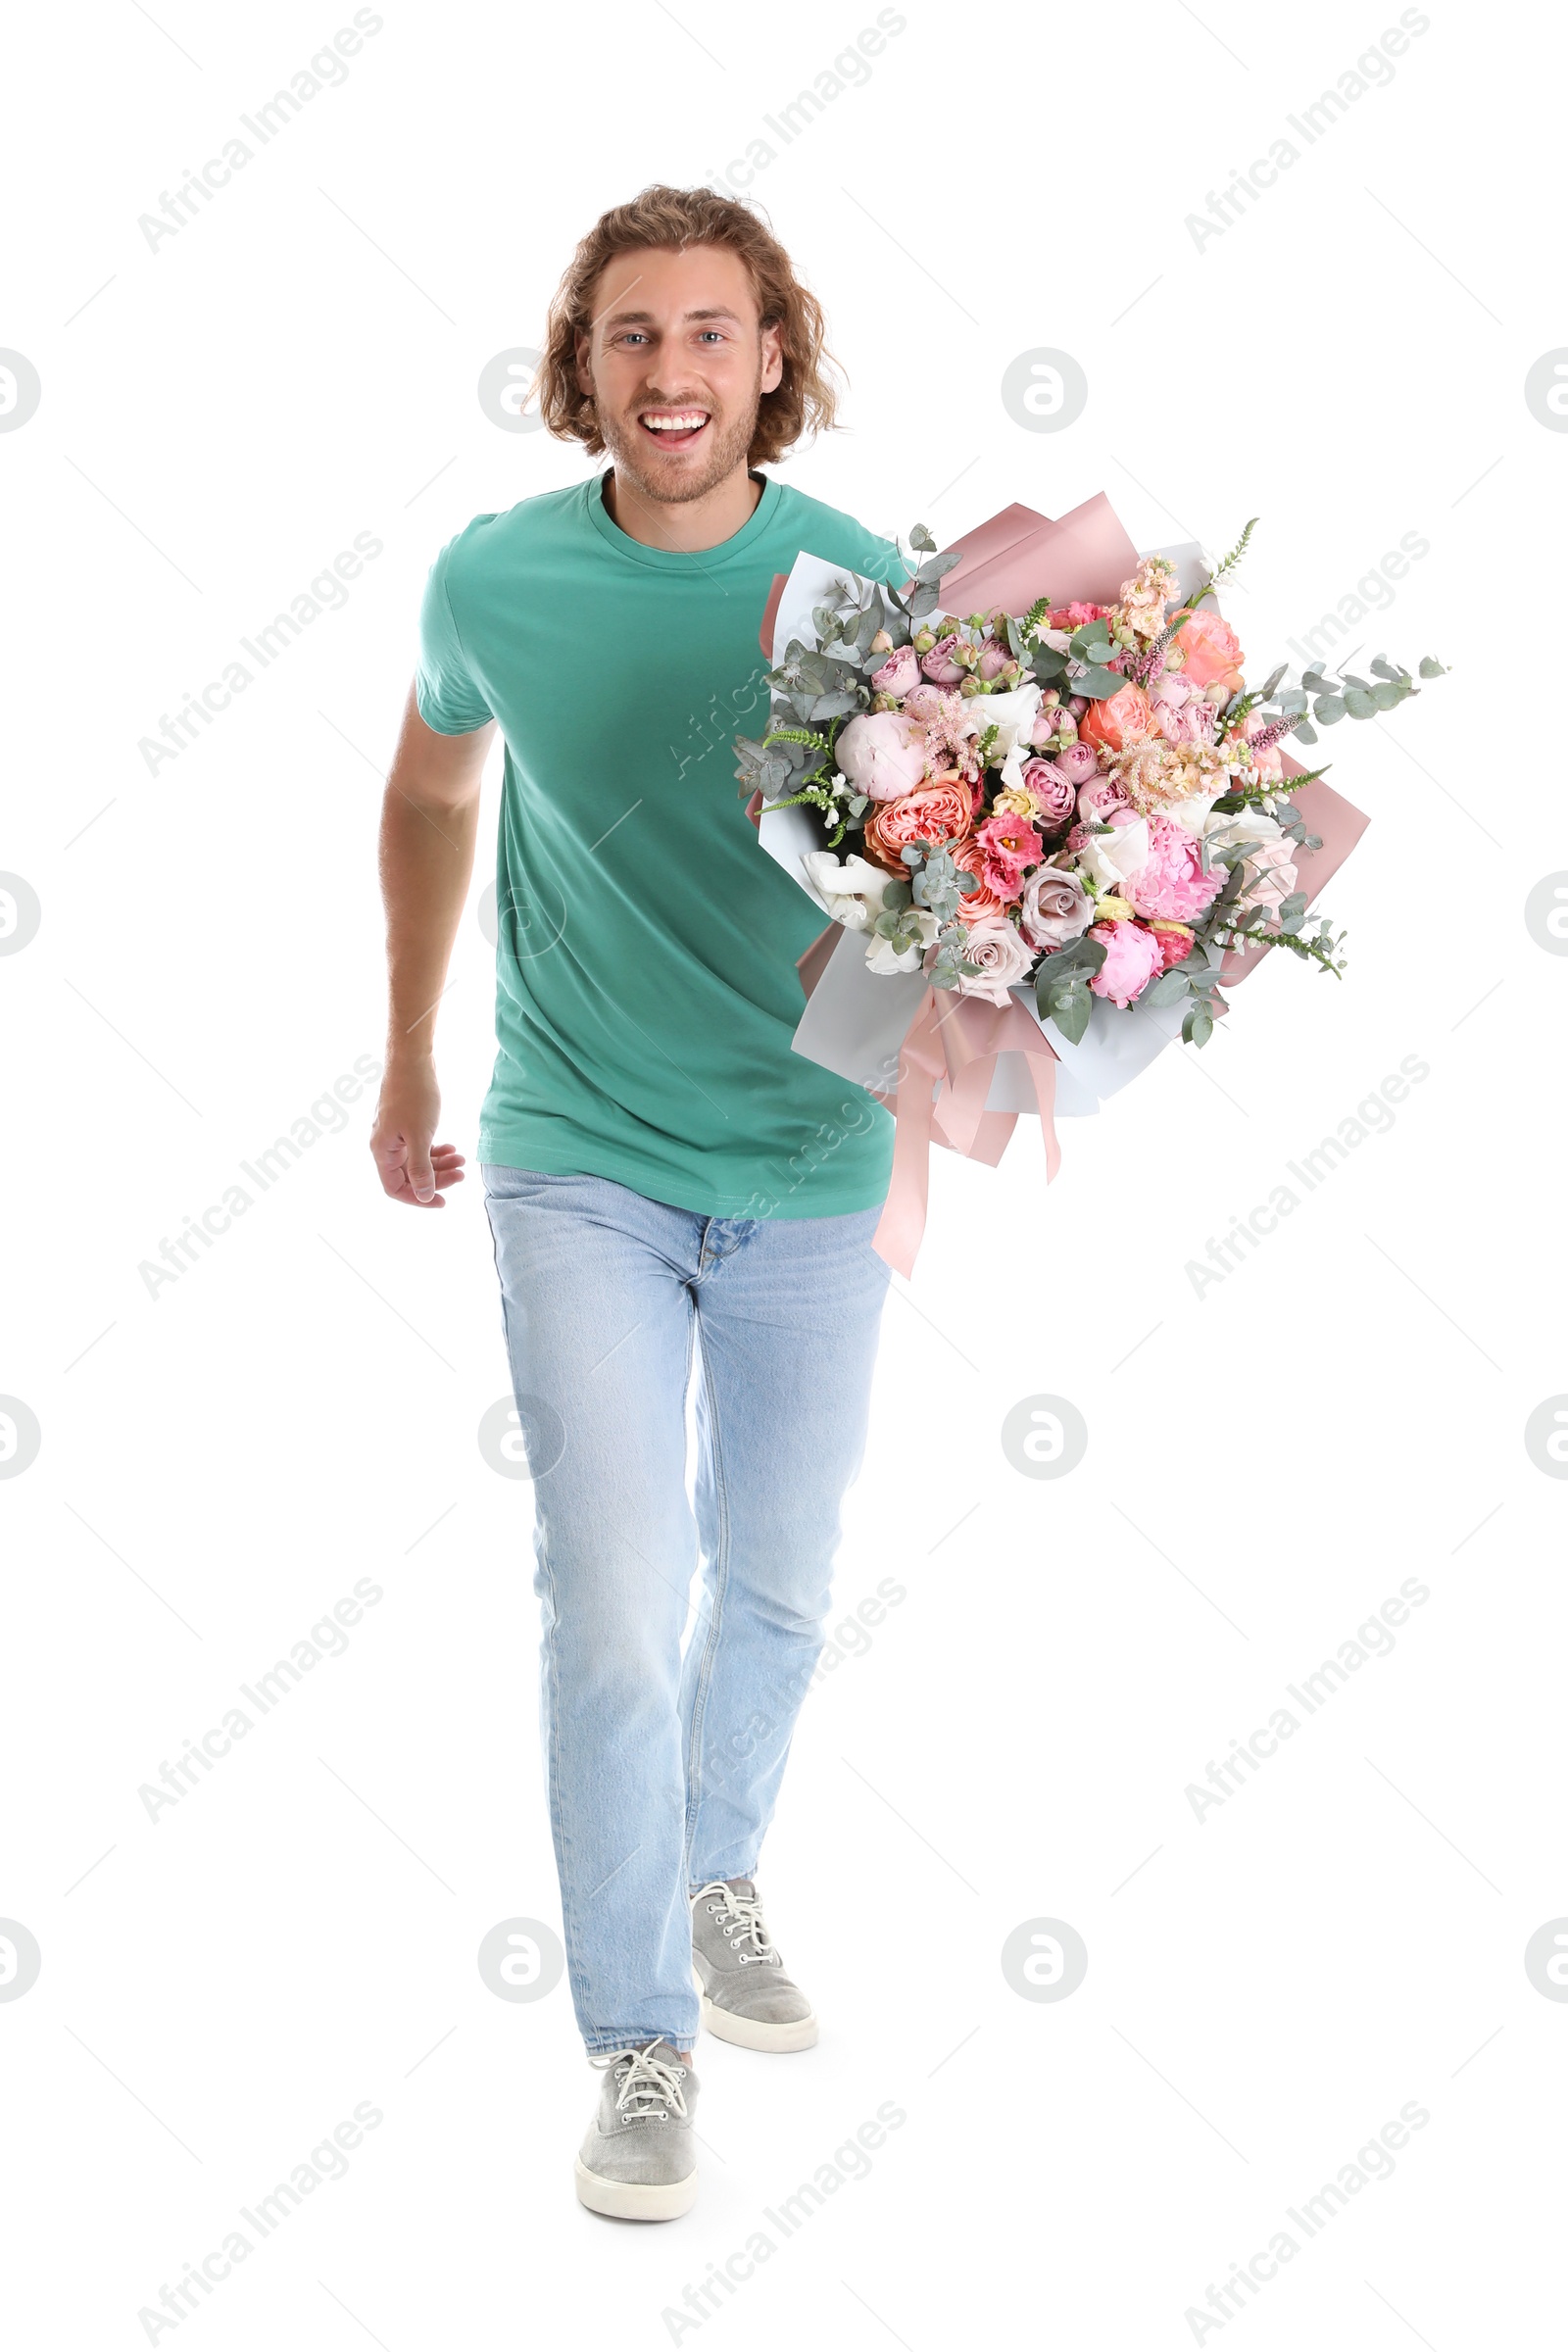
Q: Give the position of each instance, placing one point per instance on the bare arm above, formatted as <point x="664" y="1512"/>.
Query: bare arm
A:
<point x="429" y="820"/>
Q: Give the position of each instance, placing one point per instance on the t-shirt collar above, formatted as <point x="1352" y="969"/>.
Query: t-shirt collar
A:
<point x="677" y="559"/>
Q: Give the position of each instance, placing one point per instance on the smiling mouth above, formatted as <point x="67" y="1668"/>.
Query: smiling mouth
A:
<point x="672" y="428"/>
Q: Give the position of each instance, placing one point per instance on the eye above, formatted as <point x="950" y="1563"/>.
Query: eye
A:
<point x="711" y="335"/>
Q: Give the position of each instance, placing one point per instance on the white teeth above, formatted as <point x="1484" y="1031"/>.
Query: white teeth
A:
<point x="676" y="425"/>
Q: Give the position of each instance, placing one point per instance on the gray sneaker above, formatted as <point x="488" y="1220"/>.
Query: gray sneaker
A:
<point x="746" y="1996"/>
<point x="637" y="2161"/>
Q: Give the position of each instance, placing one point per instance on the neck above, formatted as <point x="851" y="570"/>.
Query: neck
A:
<point x="689" y="524"/>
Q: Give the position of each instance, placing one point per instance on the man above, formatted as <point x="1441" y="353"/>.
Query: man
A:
<point x="660" y="1169"/>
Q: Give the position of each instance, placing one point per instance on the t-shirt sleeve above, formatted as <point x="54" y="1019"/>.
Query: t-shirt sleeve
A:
<point x="881" y="561"/>
<point x="445" y="689"/>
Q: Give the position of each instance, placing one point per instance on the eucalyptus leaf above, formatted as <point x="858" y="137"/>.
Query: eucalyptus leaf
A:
<point x="1271" y="681"/>
<point x="1069" y="1009"/>
<point x="1431" y="667"/>
<point x="1360" y="701"/>
<point x="1388" y="694"/>
<point x="1328" y="710"/>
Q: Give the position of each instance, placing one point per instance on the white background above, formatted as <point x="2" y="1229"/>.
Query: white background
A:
<point x="1266" y="1464"/>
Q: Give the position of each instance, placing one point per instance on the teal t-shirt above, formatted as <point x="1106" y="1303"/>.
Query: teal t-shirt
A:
<point x="646" y="984"/>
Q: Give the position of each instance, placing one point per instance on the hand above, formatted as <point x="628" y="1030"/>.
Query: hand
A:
<point x="405" y="1119"/>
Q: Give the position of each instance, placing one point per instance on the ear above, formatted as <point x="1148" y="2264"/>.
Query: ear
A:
<point x="773" y="357"/>
<point x="582" y="370"/>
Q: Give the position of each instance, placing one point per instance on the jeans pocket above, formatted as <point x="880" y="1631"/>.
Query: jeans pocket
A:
<point x="520" y="1184"/>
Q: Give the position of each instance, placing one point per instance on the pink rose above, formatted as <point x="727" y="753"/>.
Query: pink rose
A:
<point x="1073" y="615"/>
<point x="1172" y="882"/>
<point x="994" y="659"/>
<point x="1078" y="763"/>
<point x="1002" y="957"/>
<point x="939" y="665"/>
<point x="1099" y="801"/>
<point x="1052" y="790"/>
<point x="923" y="702"/>
<point x="1211" y="653"/>
<point x="1007" y="844"/>
<point x="898" y="674"/>
<point x="1054" y="911"/>
<point x="1132" y="958"/>
<point x="937" y="813"/>
<point x="1271" y="875"/>
<point x="882" y="754"/>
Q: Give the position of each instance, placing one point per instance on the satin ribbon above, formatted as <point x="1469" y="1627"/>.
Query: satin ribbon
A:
<point x="946" y="1066"/>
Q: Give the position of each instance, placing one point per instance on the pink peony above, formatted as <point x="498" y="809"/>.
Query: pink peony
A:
<point x="1180" y="711"/>
<point x="1007" y="844"/>
<point x="1172" y="883"/>
<point x="1051" y="792"/>
<point x="1132" y="958"/>
<point x="898" y="674"/>
<point x="939" y="665"/>
<point x="882" y="754"/>
<point x="1002" y="957"/>
<point x="1054" y="911"/>
<point x="924" y="701"/>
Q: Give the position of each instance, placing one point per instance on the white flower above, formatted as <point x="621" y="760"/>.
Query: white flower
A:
<point x="1012" y="714"/>
<point x="1193" y="813"/>
<point x="881" y="958"/>
<point x="852" y="892"/>
<point x="1246" y="824"/>
<point x="1111" y="859"/>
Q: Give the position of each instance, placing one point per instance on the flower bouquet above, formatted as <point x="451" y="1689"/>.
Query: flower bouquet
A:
<point x="1067" y="808"/>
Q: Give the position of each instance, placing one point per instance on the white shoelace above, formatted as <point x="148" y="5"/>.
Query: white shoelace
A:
<point x="745" y="1913"/>
<point x="652" y="2087"/>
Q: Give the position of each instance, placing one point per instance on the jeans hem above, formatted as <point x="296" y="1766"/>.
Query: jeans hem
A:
<point x="636" y="2040"/>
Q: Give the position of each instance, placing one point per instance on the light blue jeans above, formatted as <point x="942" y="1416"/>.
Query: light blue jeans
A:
<point x="663" y="1768"/>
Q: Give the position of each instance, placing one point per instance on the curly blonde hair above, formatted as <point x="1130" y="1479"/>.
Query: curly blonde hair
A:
<point x="804" y="400"/>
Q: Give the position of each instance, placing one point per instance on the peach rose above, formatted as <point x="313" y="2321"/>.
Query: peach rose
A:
<point x="937" y="813"/>
<point x="1211" y="651"/>
<point x="1124" y="718"/>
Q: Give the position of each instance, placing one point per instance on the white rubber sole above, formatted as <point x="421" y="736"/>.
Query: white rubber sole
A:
<point x="748" y="2033"/>
<point x="635" y="2201"/>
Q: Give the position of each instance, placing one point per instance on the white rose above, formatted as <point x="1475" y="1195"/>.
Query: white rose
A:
<point x="1111" y="859"/>
<point x="1193" y="813"/>
<point x="852" y="892"/>
<point x="881" y="958"/>
<point x="1246" y="824"/>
